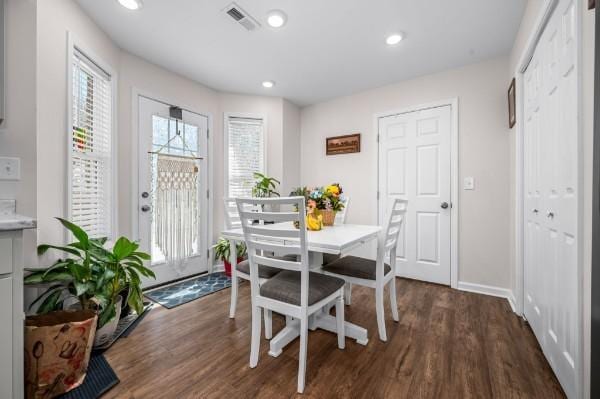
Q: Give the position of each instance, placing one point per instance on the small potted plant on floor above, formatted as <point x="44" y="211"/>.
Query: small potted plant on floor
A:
<point x="222" y="252"/>
<point x="92" y="278"/>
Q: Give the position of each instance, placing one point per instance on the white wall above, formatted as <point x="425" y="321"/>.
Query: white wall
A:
<point x="483" y="154"/>
<point x="54" y="20"/>
<point x="291" y="147"/>
<point x="18" y="131"/>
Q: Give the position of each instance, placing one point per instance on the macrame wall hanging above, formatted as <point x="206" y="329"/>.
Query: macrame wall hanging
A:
<point x="176" y="209"/>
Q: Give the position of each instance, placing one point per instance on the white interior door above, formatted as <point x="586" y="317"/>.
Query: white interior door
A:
<point x="158" y="131"/>
<point x="551" y="204"/>
<point x="414" y="164"/>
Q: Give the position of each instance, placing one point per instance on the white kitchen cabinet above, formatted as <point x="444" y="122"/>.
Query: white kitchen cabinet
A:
<point x="12" y="384"/>
<point x="6" y="337"/>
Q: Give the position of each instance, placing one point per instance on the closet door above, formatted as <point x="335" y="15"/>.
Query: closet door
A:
<point x="552" y="283"/>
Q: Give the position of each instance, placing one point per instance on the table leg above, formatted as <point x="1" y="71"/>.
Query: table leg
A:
<point x="289" y="333"/>
<point x="328" y="323"/>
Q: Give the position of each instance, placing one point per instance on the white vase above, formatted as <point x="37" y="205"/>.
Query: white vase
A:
<point x="106" y="332"/>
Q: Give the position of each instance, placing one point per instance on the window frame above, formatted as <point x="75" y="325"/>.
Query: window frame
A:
<point x="75" y="45"/>
<point x="226" y="117"/>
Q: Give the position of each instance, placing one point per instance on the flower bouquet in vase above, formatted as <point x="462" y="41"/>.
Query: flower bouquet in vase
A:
<point x="329" y="202"/>
<point x="322" y="203"/>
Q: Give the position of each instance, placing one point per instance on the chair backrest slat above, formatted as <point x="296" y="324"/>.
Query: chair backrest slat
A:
<point x="270" y="231"/>
<point x="272" y="216"/>
<point x="388" y="239"/>
<point x="278" y="263"/>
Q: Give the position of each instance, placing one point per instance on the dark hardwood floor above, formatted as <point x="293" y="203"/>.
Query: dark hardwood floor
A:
<point x="448" y="344"/>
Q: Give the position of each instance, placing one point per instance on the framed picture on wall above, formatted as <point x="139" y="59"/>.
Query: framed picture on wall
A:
<point x="347" y="144"/>
<point x="512" y="117"/>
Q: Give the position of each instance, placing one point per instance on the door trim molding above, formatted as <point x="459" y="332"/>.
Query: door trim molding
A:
<point x="136" y="93"/>
<point x="454" y="186"/>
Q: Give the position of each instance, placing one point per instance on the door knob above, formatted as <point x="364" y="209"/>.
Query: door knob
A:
<point x="444" y="205"/>
<point x="145" y="194"/>
<point x="550" y="214"/>
<point x="534" y="210"/>
<point x="145" y="208"/>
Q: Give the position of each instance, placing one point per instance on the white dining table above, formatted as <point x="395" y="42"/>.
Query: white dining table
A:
<point x="337" y="240"/>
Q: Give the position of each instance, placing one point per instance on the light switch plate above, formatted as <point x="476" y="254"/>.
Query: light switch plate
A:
<point x="10" y="168"/>
<point x="469" y="183"/>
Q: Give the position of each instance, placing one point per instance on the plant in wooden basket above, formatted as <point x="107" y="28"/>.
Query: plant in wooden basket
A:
<point x="91" y="275"/>
<point x="223" y="252"/>
<point x="328" y="201"/>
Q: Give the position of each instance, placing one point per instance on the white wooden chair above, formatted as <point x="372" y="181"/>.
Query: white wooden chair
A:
<point x="376" y="273"/>
<point x="295" y="291"/>
<point x="340" y="218"/>
<point x="242" y="270"/>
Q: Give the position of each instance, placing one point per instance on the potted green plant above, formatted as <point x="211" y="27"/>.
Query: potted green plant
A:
<point x="223" y="252"/>
<point x="92" y="276"/>
<point x="264" y="186"/>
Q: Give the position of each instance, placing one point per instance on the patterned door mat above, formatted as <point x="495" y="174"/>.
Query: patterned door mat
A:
<point x="99" y="379"/>
<point x="189" y="290"/>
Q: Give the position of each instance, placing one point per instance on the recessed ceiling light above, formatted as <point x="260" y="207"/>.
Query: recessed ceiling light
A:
<point x="131" y="4"/>
<point x="276" y="18"/>
<point x="268" y="84"/>
<point x="394" y="39"/>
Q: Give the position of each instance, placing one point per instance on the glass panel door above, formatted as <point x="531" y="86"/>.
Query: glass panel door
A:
<point x="172" y="190"/>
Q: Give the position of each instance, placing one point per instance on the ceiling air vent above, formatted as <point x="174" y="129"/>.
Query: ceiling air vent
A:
<point x="241" y="17"/>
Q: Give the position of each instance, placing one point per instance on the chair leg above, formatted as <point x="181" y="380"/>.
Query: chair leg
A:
<point x="393" y="302"/>
<point x="380" y="313"/>
<point x="268" y="324"/>
<point x="348" y="293"/>
<point x="339" y="315"/>
<point x="255" y="342"/>
<point x="234" y="294"/>
<point x="303" y="353"/>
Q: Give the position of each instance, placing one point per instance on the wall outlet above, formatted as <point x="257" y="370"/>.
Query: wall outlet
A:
<point x="10" y="168"/>
<point x="469" y="183"/>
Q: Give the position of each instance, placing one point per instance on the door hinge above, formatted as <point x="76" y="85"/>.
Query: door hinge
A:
<point x="377" y="194"/>
<point x="378" y="138"/>
<point x="207" y="194"/>
<point x="208" y="254"/>
<point x="207" y="133"/>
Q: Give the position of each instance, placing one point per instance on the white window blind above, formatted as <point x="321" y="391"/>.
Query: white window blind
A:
<point x="91" y="147"/>
<point x="245" y="154"/>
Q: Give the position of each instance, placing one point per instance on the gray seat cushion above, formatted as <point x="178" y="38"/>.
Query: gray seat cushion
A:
<point x="263" y="271"/>
<point x="285" y="287"/>
<point x="353" y="266"/>
<point x="328" y="258"/>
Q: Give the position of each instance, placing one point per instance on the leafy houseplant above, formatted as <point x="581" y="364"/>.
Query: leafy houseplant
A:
<point x="92" y="274"/>
<point x="223" y="252"/>
<point x="264" y="186"/>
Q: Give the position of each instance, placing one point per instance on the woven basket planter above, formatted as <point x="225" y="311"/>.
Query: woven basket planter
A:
<point x="328" y="217"/>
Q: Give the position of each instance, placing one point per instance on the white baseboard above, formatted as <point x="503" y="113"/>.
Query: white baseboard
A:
<point x="490" y="290"/>
<point x="512" y="301"/>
